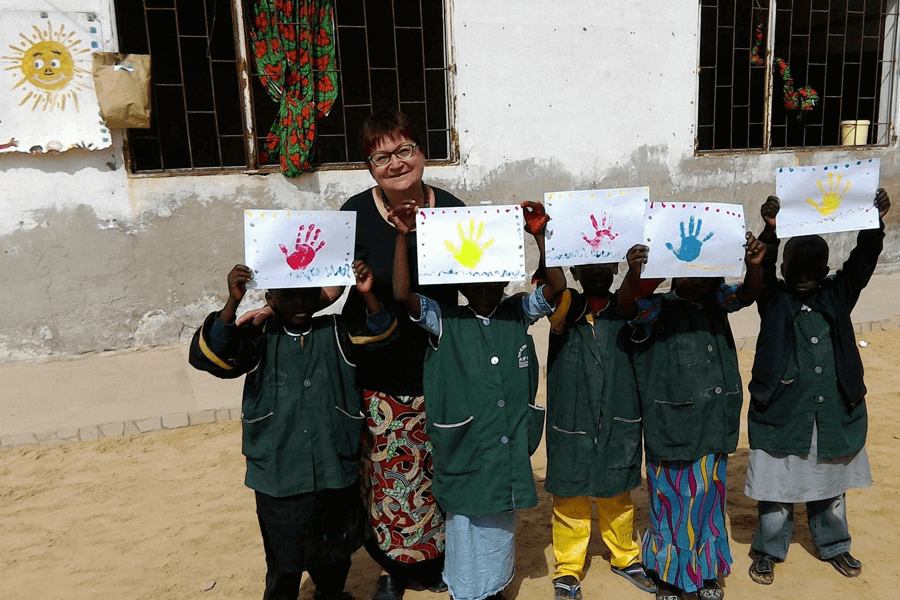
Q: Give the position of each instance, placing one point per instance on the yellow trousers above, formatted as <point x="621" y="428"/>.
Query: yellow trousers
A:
<point x="572" y="531"/>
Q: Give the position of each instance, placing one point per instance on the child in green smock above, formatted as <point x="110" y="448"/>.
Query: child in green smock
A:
<point x="690" y="389"/>
<point x="302" y="420"/>
<point x="481" y="376"/>
<point x="807" y="420"/>
<point x="593" y="428"/>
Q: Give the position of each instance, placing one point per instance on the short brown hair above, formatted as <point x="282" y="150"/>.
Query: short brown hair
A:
<point x="386" y="123"/>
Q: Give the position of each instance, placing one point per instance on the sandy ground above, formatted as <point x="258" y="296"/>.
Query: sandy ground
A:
<point x="165" y="515"/>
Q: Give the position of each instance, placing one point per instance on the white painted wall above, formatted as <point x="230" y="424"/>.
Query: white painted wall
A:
<point x="564" y="96"/>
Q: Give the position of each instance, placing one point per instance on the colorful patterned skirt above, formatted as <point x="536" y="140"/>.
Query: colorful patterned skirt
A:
<point x="407" y="522"/>
<point x="687" y="541"/>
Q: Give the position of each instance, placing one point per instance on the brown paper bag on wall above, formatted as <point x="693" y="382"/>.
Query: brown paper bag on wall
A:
<point x="122" y="82"/>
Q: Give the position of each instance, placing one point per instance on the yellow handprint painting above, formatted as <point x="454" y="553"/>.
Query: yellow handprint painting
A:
<point x="469" y="244"/>
<point x="470" y="249"/>
<point x="831" y="194"/>
<point x="827" y="198"/>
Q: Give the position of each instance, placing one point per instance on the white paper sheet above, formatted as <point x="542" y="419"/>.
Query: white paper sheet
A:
<point x="292" y="249"/>
<point x="47" y="98"/>
<point x="694" y="239"/>
<point x="467" y="245"/>
<point x="594" y="226"/>
<point x="827" y="198"/>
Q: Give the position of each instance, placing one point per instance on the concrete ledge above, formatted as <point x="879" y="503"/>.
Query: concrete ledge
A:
<point x="119" y="428"/>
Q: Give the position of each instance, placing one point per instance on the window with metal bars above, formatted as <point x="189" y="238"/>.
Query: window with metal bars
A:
<point x="390" y="54"/>
<point x="786" y="73"/>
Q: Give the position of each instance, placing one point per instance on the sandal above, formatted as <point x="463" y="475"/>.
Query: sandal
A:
<point x="762" y="569"/>
<point x="711" y="590"/>
<point x="566" y="587"/>
<point x="637" y="575"/>
<point x="665" y="591"/>
<point x="846" y="564"/>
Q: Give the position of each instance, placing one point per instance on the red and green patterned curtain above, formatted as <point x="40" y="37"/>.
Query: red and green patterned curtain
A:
<point x="293" y="43"/>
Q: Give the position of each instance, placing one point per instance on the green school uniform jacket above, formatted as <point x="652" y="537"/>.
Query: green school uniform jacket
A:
<point x="688" y="382"/>
<point x="301" y="413"/>
<point x="788" y="390"/>
<point x="480" y="382"/>
<point x="593" y="411"/>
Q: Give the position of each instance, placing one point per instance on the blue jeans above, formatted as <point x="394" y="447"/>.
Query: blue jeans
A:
<point x="827" y="524"/>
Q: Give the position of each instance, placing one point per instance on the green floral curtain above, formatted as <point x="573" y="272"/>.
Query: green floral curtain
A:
<point x="293" y="43"/>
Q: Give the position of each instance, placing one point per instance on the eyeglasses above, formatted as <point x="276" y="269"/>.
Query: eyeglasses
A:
<point x="403" y="152"/>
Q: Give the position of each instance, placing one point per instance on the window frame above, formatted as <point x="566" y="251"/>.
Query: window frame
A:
<point x="244" y="62"/>
<point x="891" y="91"/>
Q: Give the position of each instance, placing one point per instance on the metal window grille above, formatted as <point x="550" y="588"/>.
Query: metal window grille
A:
<point x="846" y="50"/>
<point x="390" y="55"/>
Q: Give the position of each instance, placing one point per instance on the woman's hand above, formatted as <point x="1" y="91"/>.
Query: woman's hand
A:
<point x="403" y="217"/>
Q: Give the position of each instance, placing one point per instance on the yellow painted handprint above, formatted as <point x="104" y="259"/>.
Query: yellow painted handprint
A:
<point x="469" y="252"/>
<point x="831" y="196"/>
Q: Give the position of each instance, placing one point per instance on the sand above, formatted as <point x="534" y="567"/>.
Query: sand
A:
<point x="166" y="515"/>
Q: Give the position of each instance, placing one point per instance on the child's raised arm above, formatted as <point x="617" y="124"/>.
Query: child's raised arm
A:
<point x="237" y="288"/>
<point x="634" y="288"/>
<point x="364" y="283"/>
<point x="535" y="223"/>
<point x="753" y="281"/>
<point x="768" y="211"/>
<point x="403" y="219"/>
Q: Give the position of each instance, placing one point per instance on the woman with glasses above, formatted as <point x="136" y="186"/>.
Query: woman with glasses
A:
<point x="408" y="524"/>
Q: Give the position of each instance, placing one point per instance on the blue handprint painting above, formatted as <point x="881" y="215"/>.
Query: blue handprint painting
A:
<point x="694" y="239"/>
<point x="691" y="244"/>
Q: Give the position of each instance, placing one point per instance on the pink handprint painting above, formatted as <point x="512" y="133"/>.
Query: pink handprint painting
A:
<point x="288" y="249"/>
<point x="304" y="250"/>
<point x="593" y="226"/>
<point x="601" y="231"/>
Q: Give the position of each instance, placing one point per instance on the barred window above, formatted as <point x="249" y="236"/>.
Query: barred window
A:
<point x="389" y="55"/>
<point x="787" y="73"/>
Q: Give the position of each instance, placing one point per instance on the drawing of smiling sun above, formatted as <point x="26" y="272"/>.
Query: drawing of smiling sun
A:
<point x="45" y="66"/>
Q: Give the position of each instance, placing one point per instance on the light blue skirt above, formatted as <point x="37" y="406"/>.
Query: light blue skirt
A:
<point x="480" y="554"/>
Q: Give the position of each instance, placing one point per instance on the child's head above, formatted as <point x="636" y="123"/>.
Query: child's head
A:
<point x="804" y="264"/>
<point x="483" y="297"/>
<point x="294" y="307"/>
<point x="595" y="280"/>
<point x="693" y="289"/>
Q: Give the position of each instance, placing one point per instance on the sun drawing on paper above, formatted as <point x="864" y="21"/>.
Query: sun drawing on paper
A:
<point x="44" y="65"/>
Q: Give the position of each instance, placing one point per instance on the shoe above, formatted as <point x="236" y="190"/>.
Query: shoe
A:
<point x="665" y="591"/>
<point x="711" y="590"/>
<point x="762" y="569"/>
<point x="439" y="587"/>
<point x="389" y="588"/>
<point x="566" y="588"/>
<point x="846" y="564"/>
<point x="636" y="573"/>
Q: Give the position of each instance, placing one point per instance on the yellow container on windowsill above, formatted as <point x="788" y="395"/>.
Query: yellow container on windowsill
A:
<point x="854" y="133"/>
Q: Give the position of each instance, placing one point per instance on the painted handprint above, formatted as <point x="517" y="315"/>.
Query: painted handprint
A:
<point x="831" y="195"/>
<point x="469" y="252"/>
<point x="691" y="244"/>
<point x="600" y="231"/>
<point x="304" y="249"/>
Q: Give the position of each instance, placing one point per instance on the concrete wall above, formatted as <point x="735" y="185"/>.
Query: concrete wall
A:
<point x="588" y="94"/>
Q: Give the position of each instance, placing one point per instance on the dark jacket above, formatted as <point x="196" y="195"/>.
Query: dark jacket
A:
<point x="301" y="412"/>
<point x="593" y="411"/>
<point x="688" y="381"/>
<point x="775" y="407"/>
<point x="480" y="384"/>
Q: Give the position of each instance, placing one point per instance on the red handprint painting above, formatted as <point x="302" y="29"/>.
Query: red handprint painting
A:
<point x="291" y="248"/>
<point x="601" y="231"/>
<point x="304" y="249"/>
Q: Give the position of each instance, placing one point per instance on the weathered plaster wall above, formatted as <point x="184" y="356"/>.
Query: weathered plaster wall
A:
<point x="590" y="94"/>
